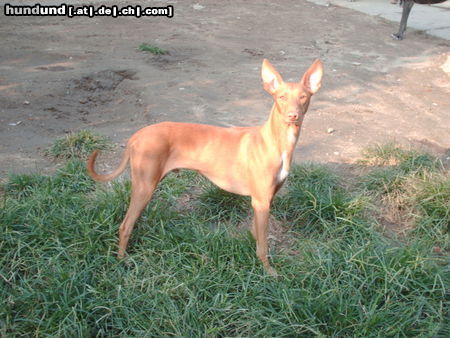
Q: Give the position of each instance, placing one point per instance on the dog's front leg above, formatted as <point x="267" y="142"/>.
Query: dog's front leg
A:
<point x="259" y="229"/>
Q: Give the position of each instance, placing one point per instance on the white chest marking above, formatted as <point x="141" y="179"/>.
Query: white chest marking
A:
<point x="292" y="138"/>
<point x="284" y="168"/>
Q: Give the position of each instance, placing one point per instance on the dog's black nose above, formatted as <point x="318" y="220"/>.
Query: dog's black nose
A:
<point x="293" y="115"/>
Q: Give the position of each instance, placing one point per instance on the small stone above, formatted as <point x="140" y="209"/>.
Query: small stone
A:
<point x="330" y="130"/>
<point x="13" y="124"/>
<point x="198" y="7"/>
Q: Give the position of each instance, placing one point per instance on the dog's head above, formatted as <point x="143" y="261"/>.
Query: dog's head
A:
<point x="292" y="98"/>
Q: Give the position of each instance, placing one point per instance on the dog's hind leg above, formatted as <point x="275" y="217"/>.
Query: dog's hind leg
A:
<point x="145" y="176"/>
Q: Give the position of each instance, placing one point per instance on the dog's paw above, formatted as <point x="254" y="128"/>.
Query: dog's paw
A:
<point x="271" y="271"/>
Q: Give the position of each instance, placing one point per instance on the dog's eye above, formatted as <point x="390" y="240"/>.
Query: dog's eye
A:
<point x="302" y="97"/>
<point x="282" y="98"/>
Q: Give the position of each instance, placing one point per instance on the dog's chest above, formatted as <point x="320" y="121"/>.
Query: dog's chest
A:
<point x="284" y="167"/>
<point x="285" y="160"/>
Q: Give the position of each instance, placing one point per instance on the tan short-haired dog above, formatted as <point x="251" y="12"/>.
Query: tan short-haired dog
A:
<point x="252" y="161"/>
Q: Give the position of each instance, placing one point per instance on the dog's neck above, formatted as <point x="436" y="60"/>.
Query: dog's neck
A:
<point x="280" y="135"/>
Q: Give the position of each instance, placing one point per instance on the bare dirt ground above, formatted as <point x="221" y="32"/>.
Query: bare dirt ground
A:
<point x="59" y="75"/>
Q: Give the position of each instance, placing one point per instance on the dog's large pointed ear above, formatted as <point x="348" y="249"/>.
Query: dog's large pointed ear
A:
<point x="271" y="78"/>
<point x="312" y="79"/>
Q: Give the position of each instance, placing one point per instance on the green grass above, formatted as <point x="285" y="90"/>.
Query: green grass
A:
<point x="315" y="199"/>
<point x="189" y="274"/>
<point x="393" y="166"/>
<point x="215" y="204"/>
<point x="428" y="198"/>
<point x="416" y="185"/>
<point x="145" y="47"/>
<point x="393" y="154"/>
<point x="77" y="145"/>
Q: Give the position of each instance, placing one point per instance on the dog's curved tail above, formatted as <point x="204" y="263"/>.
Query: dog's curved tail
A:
<point x="107" y="177"/>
